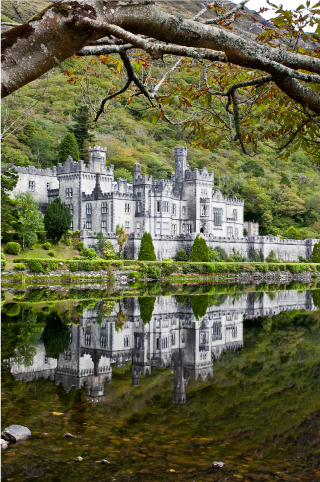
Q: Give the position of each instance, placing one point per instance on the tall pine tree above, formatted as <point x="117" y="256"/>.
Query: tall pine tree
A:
<point x="146" y="252"/>
<point x="316" y="253"/>
<point x="57" y="219"/>
<point x="200" y="250"/>
<point x="68" y="147"/>
<point x="81" y="128"/>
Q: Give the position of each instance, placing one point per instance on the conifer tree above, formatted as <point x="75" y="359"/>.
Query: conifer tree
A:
<point x="81" y="128"/>
<point x="200" y="250"/>
<point x="316" y="253"/>
<point x="68" y="147"/>
<point x="57" y="219"/>
<point x="146" y="305"/>
<point x="146" y="252"/>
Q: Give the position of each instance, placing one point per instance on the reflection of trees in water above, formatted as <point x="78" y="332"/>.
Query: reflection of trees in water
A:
<point x="56" y="336"/>
<point x="316" y="298"/>
<point x="199" y="305"/>
<point x="67" y="399"/>
<point x="146" y="305"/>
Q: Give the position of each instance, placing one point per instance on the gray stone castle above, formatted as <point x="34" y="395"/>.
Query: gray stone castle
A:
<point x="188" y="203"/>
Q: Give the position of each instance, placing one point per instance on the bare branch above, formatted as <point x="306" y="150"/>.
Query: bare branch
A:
<point x="111" y="96"/>
<point x="229" y="14"/>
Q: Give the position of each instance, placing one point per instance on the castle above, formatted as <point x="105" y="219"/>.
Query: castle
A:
<point x="188" y="203"/>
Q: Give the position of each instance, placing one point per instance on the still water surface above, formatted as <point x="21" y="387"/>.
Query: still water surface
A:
<point x="163" y="386"/>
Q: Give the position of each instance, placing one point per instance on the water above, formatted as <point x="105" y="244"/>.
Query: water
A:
<point x="163" y="386"/>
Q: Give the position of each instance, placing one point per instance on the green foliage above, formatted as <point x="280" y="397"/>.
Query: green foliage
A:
<point x="13" y="248"/>
<point x="221" y="253"/>
<point x="245" y="232"/>
<point x="316" y="253"/>
<point x="200" y="250"/>
<point x="30" y="219"/>
<point x="124" y="174"/>
<point x="292" y="233"/>
<point x="146" y="305"/>
<point x="199" y="305"/>
<point x="146" y="252"/>
<point x="12" y="309"/>
<point x="122" y="238"/>
<point x="108" y="251"/>
<point x="19" y="267"/>
<point x="271" y="258"/>
<point x="253" y="168"/>
<point x="80" y="246"/>
<point x="154" y="272"/>
<point x="52" y="253"/>
<point x="9" y="214"/>
<point x="35" y="266"/>
<point x="68" y="242"/>
<point x="182" y="255"/>
<point x="257" y="256"/>
<point x="56" y="336"/>
<point x="134" y="275"/>
<point x="3" y="260"/>
<point x="68" y="147"/>
<point x="47" y="245"/>
<point x="101" y="241"/>
<point x="89" y="253"/>
<point x="57" y="219"/>
<point x="81" y="130"/>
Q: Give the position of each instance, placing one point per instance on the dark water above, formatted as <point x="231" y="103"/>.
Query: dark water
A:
<point x="163" y="386"/>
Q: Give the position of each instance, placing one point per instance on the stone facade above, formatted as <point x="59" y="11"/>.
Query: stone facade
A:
<point x="173" y="338"/>
<point x="188" y="203"/>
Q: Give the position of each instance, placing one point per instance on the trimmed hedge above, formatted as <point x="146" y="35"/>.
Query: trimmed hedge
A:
<point x="13" y="248"/>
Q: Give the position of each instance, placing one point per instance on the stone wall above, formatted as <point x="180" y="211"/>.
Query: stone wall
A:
<point x="168" y="246"/>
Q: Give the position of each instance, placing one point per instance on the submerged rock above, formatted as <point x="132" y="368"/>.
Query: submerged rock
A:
<point x="69" y="435"/>
<point x="105" y="462"/>
<point x="16" y="433"/>
<point x="79" y="459"/>
<point x="4" y="444"/>
<point x="217" y="464"/>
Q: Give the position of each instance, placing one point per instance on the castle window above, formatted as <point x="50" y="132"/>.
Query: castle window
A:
<point x="236" y="232"/>
<point x="158" y="206"/>
<point x="158" y="228"/>
<point x="87" y="339"/>
<point x="229" y="231"/>
<point x="235" y="214"/>
<point x="103" y="342"/>
<point x="32" y="185"/>
<point x="217" y="217"/>
<point x="46" y="358"/>
<point x="104" y="226"/>
<point x="216" y="331"/>
<point x="174" y="209"/>
<point x="204" y="209"/>
<point x="127" y="208"/>
<point x="183" y="210"/>
<point x="71" y="209"/>
<point x="89" y="208"/>
<point x="127" y="226"/>
<point x="165" y="228"/>
<point x="187" y="228"/>
<point x="104" y="208"/>
<point x="48" y="186"/>
<point x="69" y="192"/>
<point x="165" y="206"/>
<point x="138" y="228"/>
<point x="71" y="225"/>
<point x="139" y="207"/>
<point x="126" y="341"/>
<point x="89" y="225"/>
<point x="174" y="229"/>
<point x="173" y="339"/>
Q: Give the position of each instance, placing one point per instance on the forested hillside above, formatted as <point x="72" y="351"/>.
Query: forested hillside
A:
<point x="278" y="193"/>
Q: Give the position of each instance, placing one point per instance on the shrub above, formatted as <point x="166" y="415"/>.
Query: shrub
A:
<point x="146" y="252"/>
<point x="3" y="259"/>
<point x="80" y="246"/>
<point x="47" y="245"/>
<point x="315" y="253"/>
<point x="214" y="255"/>
<point x="200" y="250"/>
<point x="12" y="309"/>
<point x="154" y="272"/>
<point x="182" y="255"/>
<point x="35" y="266"/>
<point x="68" y="242"/>
<point x="57" y="219"/>
<point x="221" y="253"/>
<point x="245" y="232"/>
<point x="258" y="258"/>
<point x="19" y="267"/>
<point x="13" y="248"/>
<point x="51" y="253"/>
<point x="89" y="253"/>
<point x="302" y="259"/>
<point x="263" y="268"/>
<point x="134" y="275"/>
<point x="146" y="305"/>
<point x="108" y="251"/>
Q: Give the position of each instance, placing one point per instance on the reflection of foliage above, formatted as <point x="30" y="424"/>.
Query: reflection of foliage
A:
<point x="122" y="370"/>
<point x="104" y="308"/>
<point x="316" y="298"/>
<point x="108" y="306"/>
<point x="199" y="305"/>
<point x="56" y="336"/>
<point x="121" y="318"/>
<point x="12" y="309"/>
<point x="217" y="300"/>
<point x="146" y="308"/>
<point x="67" y="399"/>
<point x="181" y="299"/>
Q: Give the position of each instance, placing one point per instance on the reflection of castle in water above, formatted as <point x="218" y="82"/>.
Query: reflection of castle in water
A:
<point x="173" y="338"/>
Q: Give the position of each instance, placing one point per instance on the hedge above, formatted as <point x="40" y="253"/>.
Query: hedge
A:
<point x="13" y="248"/>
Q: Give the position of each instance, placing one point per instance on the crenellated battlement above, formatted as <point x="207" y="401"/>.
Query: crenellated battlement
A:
<point x="95" y="165"/>
<point x="37" y="172"/>
<point x="199" y="175"/>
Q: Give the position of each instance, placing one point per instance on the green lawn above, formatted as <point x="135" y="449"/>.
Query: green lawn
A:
<point x="62" y="252"/>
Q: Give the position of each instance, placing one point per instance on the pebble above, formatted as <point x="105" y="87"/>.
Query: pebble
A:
<point x="79" y="459"/>
<point x="105" y="462"/>
<point x="69" y="435"/>
<point x="217" y="464"/>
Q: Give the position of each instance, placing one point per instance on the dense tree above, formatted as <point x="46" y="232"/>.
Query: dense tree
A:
<point x="68" y="147"/>
<point x="200" y="250"/>
<point x="123" y="173"/>
<point x="81" y="130"/>
<point x="199" y="305"/>
<point x="9" y="214"/>
<point x="146" y="252"/>
<point x="29" y="219"/>
<point x="57" y="219"/>
<point x="316" y="253"/>
<point x="146" y="305"/>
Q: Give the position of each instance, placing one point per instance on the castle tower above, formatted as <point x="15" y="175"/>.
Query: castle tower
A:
<point x="180" y="161"/>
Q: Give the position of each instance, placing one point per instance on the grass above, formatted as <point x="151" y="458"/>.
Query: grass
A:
<point x="62" y="252"/>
